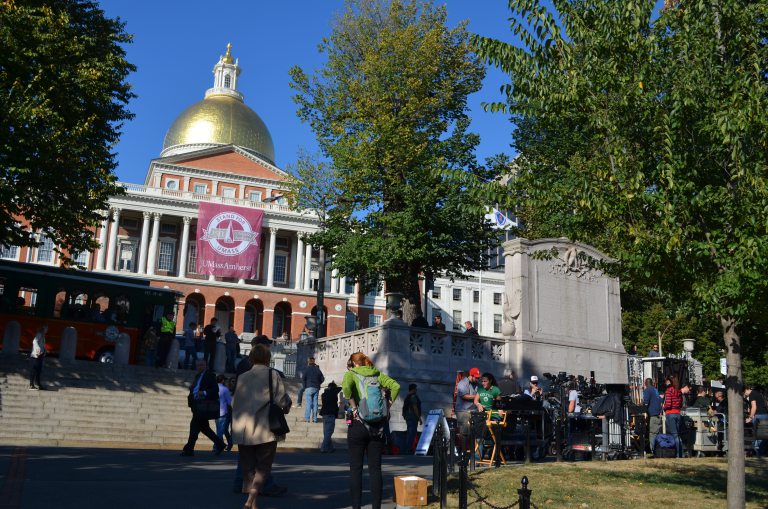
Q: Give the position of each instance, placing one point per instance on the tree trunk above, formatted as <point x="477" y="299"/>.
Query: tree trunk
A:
<point x="409" y="287"/>
<point x="733" y="384"/>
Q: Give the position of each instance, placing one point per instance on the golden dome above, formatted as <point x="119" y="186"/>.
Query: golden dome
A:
<point x="219" y="120"/>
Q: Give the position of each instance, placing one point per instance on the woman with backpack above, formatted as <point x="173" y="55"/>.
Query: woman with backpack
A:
<point x="364" y="386"/>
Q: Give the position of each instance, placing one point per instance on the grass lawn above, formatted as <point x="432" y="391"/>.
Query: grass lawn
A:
<point x="693" y="483"/>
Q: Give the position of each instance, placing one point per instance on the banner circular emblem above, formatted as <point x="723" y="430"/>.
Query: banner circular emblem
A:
<point x="229" y="234"/>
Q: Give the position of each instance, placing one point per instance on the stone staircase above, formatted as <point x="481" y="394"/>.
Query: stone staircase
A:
<point x="102" y="405"/>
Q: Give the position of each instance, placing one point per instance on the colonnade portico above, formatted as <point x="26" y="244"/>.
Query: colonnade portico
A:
<point x="148" y="241"/>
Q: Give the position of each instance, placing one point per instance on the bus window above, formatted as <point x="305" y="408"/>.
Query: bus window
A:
<point x="59" y="304"/>
<point x="79" y="305"/>
<point x="27" y="300"/>
<point x="122" y="307"/>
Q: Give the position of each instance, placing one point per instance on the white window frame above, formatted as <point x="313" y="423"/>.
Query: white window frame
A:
<point x="456" y="295"/>
<point x="192" y="258"/>
<point x="496" y="324"/>
<point x="285" y="257"/>
<point x="436" y="292"/>
<point x="134" y="244"/>
<point x="374" y="320"/>
<point x="169" y="228"/>
<point x="456" y="316"/>
<point x="227" y="189"/>
<point x="196" y="188"/>
<point x="496" y="299"/>
<point x="172" y="184"/>
<point x="45" y="239"/>
<point x="9" y="253"/>
<point x="86" y="257"/>
<point x="254" y="194"/>
<point x="172" y="243"/>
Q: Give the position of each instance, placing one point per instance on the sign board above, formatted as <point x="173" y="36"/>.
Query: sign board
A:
<point x="428" y="430"/>
<point x="723" y="366"/>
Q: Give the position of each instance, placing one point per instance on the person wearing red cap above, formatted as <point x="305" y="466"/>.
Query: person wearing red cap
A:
<point x="465" y="399"/>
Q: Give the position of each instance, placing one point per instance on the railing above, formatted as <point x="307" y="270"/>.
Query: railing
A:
<point x="195" y="197"/>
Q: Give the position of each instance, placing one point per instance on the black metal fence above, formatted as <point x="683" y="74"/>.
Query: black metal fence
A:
<point x="444" y="454"/>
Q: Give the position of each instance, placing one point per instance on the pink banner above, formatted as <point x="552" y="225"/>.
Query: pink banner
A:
<point x="228" y="240"/>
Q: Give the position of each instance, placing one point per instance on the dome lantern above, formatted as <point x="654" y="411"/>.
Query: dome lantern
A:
<point x="221" y="118"/>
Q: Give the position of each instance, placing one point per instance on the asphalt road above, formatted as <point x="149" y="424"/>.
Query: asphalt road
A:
<point x="79" y="478"/>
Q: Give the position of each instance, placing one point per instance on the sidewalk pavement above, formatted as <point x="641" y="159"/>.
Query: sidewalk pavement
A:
<point x="81" y="478"/>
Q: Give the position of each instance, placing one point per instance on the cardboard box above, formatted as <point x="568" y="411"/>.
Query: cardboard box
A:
<point x="410" y="491"/>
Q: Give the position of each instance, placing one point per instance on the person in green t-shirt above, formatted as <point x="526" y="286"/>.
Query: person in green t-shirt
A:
<point x="487" y="393"/>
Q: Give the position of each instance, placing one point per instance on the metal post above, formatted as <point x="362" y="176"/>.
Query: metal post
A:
<point x="463" y="480"/>
<point x="524" y="500"/>
<point x="527" y="440"/>
<point x="472" y="465"/>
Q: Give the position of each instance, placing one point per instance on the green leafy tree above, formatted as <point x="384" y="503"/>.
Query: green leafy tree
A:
<point x="62" y="102"/>
<point x="644" y="132"/>
<point x="389" y="110"/>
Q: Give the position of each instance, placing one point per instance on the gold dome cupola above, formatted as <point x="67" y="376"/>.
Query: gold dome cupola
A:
<point x="222" y="118"/>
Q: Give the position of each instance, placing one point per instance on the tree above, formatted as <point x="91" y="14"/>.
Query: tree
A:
<point x="389" y="110"/>
<point x="644" y="133"/>
<point x="62" y="103"/>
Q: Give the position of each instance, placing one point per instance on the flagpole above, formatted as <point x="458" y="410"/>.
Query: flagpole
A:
<point x="480" y="311"/>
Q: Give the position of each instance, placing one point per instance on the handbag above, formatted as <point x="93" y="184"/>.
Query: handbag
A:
<point x="277" y="423"/>
<point x="206" y="408"/>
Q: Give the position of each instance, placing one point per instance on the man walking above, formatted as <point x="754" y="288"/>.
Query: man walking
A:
<point x="231" y="344"/>
<point x="204" y="388"/>
<point x="312" y="379"/>
<point x="652" y="400"/>
<point x="330" y="411"/>
<point x="211" y="333"/>
<point x="412" y="416"/>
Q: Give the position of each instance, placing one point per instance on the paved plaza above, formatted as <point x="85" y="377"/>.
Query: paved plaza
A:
<point x="79" y="478"/>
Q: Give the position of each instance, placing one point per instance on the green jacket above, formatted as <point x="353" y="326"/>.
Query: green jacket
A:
<point x="349" y="382"/>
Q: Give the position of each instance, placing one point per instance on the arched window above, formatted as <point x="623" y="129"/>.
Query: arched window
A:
<point x="227" y="81"/>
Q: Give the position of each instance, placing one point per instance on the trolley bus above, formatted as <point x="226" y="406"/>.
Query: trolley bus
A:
<point x="99" y="306"/>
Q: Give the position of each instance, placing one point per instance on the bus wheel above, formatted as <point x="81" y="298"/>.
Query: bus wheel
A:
<point x="106" y="356"/>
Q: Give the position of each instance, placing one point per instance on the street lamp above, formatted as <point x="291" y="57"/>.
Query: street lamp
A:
<point x="394" y="303"/>
<point x="688" y="345"/>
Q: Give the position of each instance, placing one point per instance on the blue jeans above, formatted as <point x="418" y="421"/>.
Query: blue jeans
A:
<point x="674" y="428"/>
<point x="222" y="427"/>
<point x="310" y="402"/>
<point x="329" y="424"/>
<point x="231" y="349"/>
<point x="760" y="446"/>
<point x="149" y="357"/>
<point x="412" y="426"/>
<point x="190" y="357"/>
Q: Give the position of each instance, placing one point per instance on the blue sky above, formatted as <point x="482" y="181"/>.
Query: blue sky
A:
<point x="177" y="43"/>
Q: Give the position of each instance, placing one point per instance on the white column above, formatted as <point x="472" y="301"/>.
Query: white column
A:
<point x="343" y="285"/>
<point x="152" y="257"/>
<point x="271" y="257"/>
<point x="185" y="185"/>
<point x="308" y="267"/>
<point x="144" y="244"/>
<point x="242" y="192"/>
<point x="335" y="281"/>
<point x="184" y="246"/>
<point x="102" y="243"/>
<point x="112" y="245"/>
<point x="298" y="280"/>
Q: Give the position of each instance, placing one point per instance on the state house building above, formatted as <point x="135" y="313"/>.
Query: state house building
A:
<point x="219" y="150"/>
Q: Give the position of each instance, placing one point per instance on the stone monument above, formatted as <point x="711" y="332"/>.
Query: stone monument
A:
<point x="561" y="312"/>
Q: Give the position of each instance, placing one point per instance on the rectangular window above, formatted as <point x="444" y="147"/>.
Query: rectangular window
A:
<point x="45" y="251"/>
<point x="475" y="320"/>
<point x="282" y="242"/>
<point x="456" y="320"/>
<point x="228" y="192"/>
<point x="168" y="228"/>
<point x="374" y="320"/>
<point x="27" y="300"/>
<point x="496" y="324"/>
<point x="497" y="299"/>
<point x="192" y="258"/>
<point x="281" y="261"/>
<point x="129" y="223"/>
<point x="457" y="294"/>
<point x="475" y="295"/>
<point x="254" y="195"/>
<point x="81" y="258"/>
<point x="165" y="258"/>
<point x="436" y="292"/>
<point x="126" y="256"/>
<point x="201" y="189"/>
<point x="9" y="252"/>
<point x="349" y="286"/>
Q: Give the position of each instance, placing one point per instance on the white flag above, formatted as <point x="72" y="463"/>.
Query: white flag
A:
<point x="499" y="220"/>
